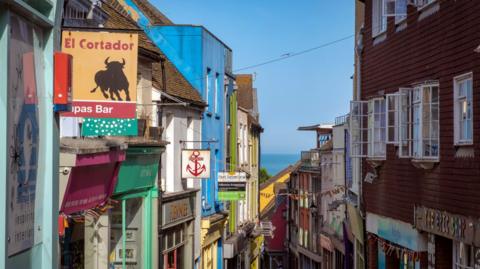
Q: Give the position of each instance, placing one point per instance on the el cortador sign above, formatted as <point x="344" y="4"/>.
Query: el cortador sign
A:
<point x="104" y="79"/>
<point x="448" y="225"/>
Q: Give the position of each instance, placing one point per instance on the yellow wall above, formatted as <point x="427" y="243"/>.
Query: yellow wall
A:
<point x="267" y="195"/>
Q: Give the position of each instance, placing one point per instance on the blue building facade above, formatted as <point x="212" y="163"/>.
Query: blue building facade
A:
<point x="203" y="60"/>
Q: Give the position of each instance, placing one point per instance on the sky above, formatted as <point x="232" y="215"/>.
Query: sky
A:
<point x="304" y="90"/>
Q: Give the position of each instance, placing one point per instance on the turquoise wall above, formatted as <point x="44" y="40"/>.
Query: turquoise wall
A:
<point x="43" y="254"/>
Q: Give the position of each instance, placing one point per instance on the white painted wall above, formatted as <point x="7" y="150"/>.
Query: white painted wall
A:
<point x="242" y="146"/>
<point x="181" y="124"/>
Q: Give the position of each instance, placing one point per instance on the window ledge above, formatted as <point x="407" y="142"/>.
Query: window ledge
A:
<point x="401" y="25"/>
<point x="426" y="164"/>
<point x="428" y="10"/>
<point x="375" y="161"/>
<point x="379" y="37"/>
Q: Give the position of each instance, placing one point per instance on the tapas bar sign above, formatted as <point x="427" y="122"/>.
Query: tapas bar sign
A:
<point x="448" y="225"/>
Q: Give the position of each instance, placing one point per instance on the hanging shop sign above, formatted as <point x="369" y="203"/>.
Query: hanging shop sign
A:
<point x="104" y="81"/>
<point x="177" y="210"/>
<point x="448" y="225"/>
<point x="195" y="163"/>
<point x="231" y="186"/>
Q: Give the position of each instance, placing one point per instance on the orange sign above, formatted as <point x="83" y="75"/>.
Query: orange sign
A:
<point x="104" y="80"/>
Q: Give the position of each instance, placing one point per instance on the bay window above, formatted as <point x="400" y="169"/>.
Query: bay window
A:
<point x="463" y="110"/>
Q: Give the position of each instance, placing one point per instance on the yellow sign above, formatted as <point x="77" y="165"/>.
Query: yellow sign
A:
<point x="104" y="79"/>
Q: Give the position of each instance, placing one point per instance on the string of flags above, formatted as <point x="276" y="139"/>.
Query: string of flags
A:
<point x="393" y="249"/>
<point x="63" y="219"/>
<point x="336" y="190"/>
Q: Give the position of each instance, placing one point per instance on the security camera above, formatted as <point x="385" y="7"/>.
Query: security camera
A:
<point x="65" y="170"/>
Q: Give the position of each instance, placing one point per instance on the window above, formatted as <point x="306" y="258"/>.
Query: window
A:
<point x="400" y="11"/>
<point x="376" y="128"/>
<point x="393" y="109"/>
<point x="463" y="256"/>
<point x="215" y="100"/>
<point x="463" y="110"/>
<point x="379" y="22"/>
<point x="207" y="86"/>
<point x="368" y="127"/>
<point x="419" y="127"/>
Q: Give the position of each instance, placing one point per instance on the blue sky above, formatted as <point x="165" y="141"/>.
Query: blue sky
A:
<point x="303" y="90"/>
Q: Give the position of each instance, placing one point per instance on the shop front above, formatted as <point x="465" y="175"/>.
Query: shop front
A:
<point x="88" y="174"/>
<point x="396" y="244"/>
<point x="176" y="232"/>
<point x="131" y="218"/>
<point x="453" y="239"/>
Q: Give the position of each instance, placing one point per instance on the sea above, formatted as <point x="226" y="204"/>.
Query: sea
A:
<point x="275" y="163"/>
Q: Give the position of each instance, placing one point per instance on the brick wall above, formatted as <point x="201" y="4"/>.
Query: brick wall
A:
<point x="438" y="47"/>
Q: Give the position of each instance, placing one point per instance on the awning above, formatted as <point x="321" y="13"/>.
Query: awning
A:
<point x="234" y="245"/>
<point x="139" y="170"/>
<point x="91" y="180"/>
<point x="356" y="222"/>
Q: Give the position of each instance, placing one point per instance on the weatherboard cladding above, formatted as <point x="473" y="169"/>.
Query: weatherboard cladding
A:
<point x="177" y="85"/>
<point x="439" y="47"/>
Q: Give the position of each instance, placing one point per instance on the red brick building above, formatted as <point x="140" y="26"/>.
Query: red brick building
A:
<point x="416" y="129"/>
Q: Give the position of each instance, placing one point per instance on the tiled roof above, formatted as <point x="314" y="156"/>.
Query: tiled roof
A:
<point x="119" y="19"/>
<point x="153" y="14"/>
<point x="177" y="85"/>
<point x="245" y="89"/>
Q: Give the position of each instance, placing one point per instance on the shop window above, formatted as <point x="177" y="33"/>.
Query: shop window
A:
<point x="133" y="234"/>
<point x="463" y="256"/>
<point x="463" y="109"/>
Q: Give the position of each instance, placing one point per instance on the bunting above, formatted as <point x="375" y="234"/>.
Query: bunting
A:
<point x="393" y="249"/>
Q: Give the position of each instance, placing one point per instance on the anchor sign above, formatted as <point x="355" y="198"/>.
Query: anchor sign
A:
<point x="198" y="167"/>
<point x="195" y="163"/>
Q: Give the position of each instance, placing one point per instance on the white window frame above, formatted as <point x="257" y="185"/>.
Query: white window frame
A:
<point x="395" y="8"/>
<point x="368" y="128"/>
<point x="412" y="132"/>
<point x="392" y="102"/>
<point x="379" y="22"/>
<point x="377" y="129"/>
<point x="467" y="100"/>
<point x="359" y="129"/>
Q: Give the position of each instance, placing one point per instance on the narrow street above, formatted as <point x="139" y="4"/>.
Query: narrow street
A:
<point x="162" y="134"/>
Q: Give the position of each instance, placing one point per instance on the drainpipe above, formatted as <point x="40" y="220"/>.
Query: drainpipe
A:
<point x="361" y="203"/>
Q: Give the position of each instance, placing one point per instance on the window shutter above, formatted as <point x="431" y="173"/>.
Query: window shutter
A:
<point x="405" y="123"/>
<point x="359" y="128"/>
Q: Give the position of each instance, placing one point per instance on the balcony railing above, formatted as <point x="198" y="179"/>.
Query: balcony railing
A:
<point x="311" y="160"/>
<point x="341" y="119"/>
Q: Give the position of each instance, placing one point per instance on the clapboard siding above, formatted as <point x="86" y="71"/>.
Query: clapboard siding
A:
<point x="438" y="47"/>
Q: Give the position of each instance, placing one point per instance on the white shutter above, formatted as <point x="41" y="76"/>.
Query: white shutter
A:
<point x="393" y="118"/>
<point x="405" y="118"/>
<point x="359" y="128"/>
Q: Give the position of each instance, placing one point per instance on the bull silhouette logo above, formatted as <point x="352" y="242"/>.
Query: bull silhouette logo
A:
<point x="112" y="80"/>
